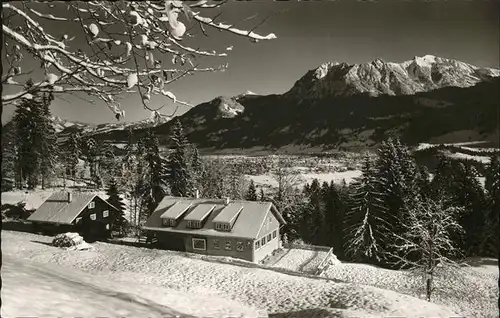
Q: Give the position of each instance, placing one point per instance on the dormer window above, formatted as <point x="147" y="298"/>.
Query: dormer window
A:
<point x="223" y="227"/>
<point x="168" y="222"/>
<point x="193" y="224"/>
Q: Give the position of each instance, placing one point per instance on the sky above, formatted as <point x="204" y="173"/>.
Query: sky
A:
<point x="310" y="33"/>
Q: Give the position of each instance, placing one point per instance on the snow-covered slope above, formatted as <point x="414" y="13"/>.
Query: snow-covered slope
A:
<point x="378" y="77"/>
<point x="281" y="295"/>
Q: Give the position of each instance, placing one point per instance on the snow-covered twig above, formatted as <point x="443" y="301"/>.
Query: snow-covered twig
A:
<point x="108" y="28"/>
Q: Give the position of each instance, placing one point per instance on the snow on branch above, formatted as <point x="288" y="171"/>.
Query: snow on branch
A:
<point x="112" y="47"/>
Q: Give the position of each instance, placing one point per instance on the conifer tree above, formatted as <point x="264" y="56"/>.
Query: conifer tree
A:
<point x="252" y="192"/>
<point x="467" y="192"/>
<point x="490" y="239"/>
<point x="313" y="224"/>
<point x="368" y="222"/>
<point x="398" y="169"/>
<point x="35" y="138"/>
<point x="118" y="220"/>
<point x="197" y="168"/>
<point x="73" y="154"/>
<point x="47" y="139"/>
<point x="443" y="178"/>
<point x="181" y="178"/>
<point x="335" y="199"/>
<point x="156" y="181"/>
<point x="236" y="183"/>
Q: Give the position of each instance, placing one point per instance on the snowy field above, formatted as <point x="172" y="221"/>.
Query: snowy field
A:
<point x="148" y="271"/>
<point x="472" y="291"/>
<point x="36" y="290"/>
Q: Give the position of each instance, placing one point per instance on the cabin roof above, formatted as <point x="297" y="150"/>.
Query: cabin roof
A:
<point x="247" y="225"/>
<point x="57" y="209"/>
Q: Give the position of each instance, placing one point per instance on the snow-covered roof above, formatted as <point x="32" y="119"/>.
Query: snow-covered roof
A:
<point x="247" y="225"/>
<point x="59" y="209"/>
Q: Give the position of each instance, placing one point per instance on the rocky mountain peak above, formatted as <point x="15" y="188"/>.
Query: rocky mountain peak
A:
<point x="378" y="77"/>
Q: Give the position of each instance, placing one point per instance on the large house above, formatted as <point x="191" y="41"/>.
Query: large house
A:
<point x="82" y="212"/>
<point x="241" y="229"/>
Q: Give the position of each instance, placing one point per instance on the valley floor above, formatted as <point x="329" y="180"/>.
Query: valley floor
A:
<point x="158" y="275"/>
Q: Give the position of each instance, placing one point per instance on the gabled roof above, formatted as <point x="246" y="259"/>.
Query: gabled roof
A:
<point x="57" y="209"/>
<point x="247" y="224"/>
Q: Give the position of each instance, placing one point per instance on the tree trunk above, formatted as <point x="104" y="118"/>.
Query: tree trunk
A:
<point x="429" y="287"/>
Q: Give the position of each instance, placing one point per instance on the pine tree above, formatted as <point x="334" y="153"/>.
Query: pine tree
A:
<point x="252" y="192"/>
<point x="118" y="220"/>
<point x="156" y="181"/>
<point x="181" y="178"/>
<point x="335" y="199"/>
<point x="443" y="178"/>
<point x="398" y="169"/>
<point x="29" y="137"/>
<point x="197" y="169"/>
<point x="313" y="229"/>
<point x="368" y="223"/>
<point x="47" y="139"/>
<point x="490" y="239"/>
<point x="467" y="192"/>
<point x="236" y="182"/>
<point x="73" y="154"/>
<point x="423" y="182"/>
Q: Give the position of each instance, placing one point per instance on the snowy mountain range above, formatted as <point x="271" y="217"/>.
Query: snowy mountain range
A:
<point x="337" y="106"/>
<point x="421" y="74"/>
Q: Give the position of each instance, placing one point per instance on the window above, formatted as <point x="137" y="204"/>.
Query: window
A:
<point x="239" y="246"/>
<point x="92" y="216"/>
<point x="78" y="220"/>
<point x="107" y="226"/>
<point x="91" y="205"/>
<point x="269" y="237"/>
<point x="216" y="244"/>
<point x="222" y="226"/>
<point x="193" y="224"/>
<point x="257" y="244"/>
<point x="172" y="222"/>
<point x="199" y="244"/>
<point x="263" y="241"/>
<point x="105" y="214"/>
<point x="274" y="233"/>
<point x="269" y="219"/>
<point x="228" y="245"/>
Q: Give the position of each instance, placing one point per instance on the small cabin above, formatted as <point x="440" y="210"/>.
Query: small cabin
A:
<point x="82" y="212"/>
<point x="247" y="230"/>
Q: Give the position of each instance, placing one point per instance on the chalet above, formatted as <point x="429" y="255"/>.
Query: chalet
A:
<point x="241" y="229"/>
<point x="82" y="212"/>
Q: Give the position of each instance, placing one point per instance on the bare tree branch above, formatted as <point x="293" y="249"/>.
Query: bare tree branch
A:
<point x="125" y="43"/>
